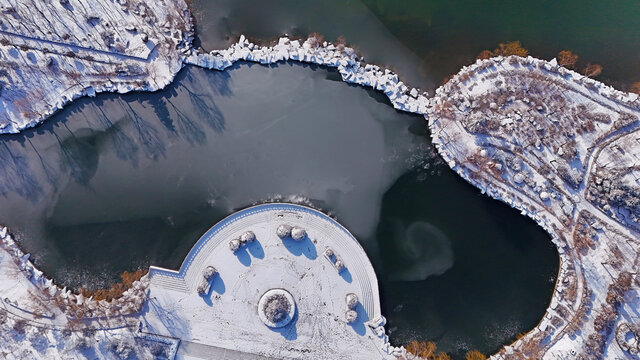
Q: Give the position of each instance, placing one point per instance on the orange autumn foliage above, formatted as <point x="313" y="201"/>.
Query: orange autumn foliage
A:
<point x="505" y="49"/>
<point x="485" y="54"/>
<point x="114" y="290"/>
<point x="567" y="59"/>
<point x="474" y="355"/>
<point x="421" y="348"/>
<point x="511" y="48"/>
<point x="426" y="350"/>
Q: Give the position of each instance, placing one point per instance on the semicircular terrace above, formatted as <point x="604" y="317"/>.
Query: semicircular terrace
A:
<point x="219" y="314"/>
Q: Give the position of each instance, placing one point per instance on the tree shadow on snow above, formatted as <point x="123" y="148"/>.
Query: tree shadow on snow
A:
<point x="304" y="247"/>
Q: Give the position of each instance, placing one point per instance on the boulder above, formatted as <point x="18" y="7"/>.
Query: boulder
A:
<point x="352" y="301"/>
<point x="283" y="231"/>
<point x="351" y="316"/>
<point x="298" y="233"/>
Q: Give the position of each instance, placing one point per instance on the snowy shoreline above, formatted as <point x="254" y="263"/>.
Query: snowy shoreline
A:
<point x="474" y="123"/>
<point x="89" y="48"/>
<point x="410" y="100"/>
<point x="353" y="70"/>
<point x="311" y="51"/>
<point x="130" y="302"/>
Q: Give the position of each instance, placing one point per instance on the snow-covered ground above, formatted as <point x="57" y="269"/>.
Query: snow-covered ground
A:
<point x="225" y="314"/>
<point x="99" y="46"/>
<point x="182" y="314"/>
<point x="41" y="321"/>
<point x="52" y="52"/>
<point x="559" y="147"/>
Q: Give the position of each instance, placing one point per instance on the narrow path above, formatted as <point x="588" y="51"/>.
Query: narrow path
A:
<point x="75" y="47"/>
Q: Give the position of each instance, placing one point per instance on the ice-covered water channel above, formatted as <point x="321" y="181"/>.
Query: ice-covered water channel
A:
<point x="117" y="182"/>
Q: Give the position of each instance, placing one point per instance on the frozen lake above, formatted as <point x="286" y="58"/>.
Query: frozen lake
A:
<point x="119" y="182"/>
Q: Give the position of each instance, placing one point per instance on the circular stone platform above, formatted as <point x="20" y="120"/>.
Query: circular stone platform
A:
<point x="276" y="308"/>
<point x="294" y="282"/>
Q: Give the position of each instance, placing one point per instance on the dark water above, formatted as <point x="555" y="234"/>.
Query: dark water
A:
<point x="426" y="41"/>
<point x="118" y="182"/>
<point x="434" y="226"/>
<point x="492" y="269"/>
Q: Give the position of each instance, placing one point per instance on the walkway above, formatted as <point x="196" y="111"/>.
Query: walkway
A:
<point x="227" y="318"/>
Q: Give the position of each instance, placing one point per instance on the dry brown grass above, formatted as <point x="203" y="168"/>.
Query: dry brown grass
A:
<point x="114" y="290"/>
<point x="474" y="355"/>
<point x="426" y="350"/>
<point x="531" y="347"/>
<point x="316" y="39"/>
<point x="592" y="70"/>
<point x="485" y="54"/>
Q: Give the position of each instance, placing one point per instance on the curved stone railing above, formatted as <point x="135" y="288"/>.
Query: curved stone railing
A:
<point x="361" y="266"/>
<point x="356" y="71"/>
<point x="321" y="277"/>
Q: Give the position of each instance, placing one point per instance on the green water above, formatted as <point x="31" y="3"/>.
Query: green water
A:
<point x="447" y="35"/>
<point x="427" y="41"/>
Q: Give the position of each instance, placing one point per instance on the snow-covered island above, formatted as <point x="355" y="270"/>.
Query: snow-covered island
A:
<point x="560" y="147"/>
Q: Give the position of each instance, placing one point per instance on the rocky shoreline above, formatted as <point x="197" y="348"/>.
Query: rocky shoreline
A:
<point x="473" y="126"/>
<point x="544" y="338"/>
<point x="45" y="73"/>
<point x="352" y="69"/>
<point x="75" y="305"/>
<point x="496" y="123"/>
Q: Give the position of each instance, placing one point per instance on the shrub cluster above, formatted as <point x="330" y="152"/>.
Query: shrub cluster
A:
<point x="114" y="290"/>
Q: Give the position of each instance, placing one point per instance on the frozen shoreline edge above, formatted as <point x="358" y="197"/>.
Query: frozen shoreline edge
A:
<point x="352" y="71"/>
<point x="457" y="91"/>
